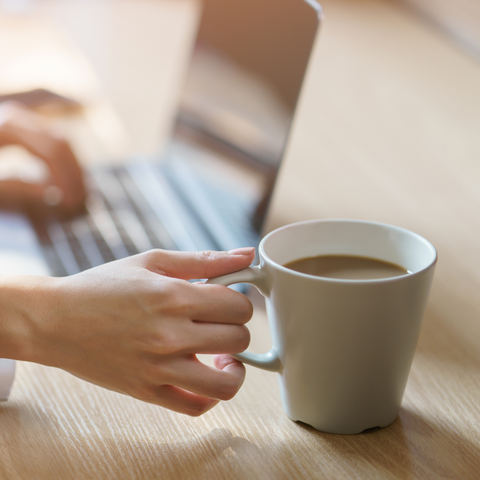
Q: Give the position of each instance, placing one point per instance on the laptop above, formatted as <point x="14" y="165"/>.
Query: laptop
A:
<point x="210" y="186"/>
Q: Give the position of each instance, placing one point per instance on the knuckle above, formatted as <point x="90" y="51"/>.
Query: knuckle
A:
<point x="157" y="373"/>
<point x="203" y="257"/>
<point x="228" y="391"/>
<point x="204" y="254"/>
<point x="196" y="409"/>
<point x="150" y="257"/>
<point x="169" y="298"/>
<point x="146" y="392"/>
<point x="243" y="340"/>
<point x="160" y="340"/>
<point x="177" y="300"/>
<point x="168" y="343"/>
<point x="245" y="309"/>
<point x="155" y="254"/>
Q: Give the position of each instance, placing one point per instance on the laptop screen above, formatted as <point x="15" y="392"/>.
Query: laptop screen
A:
<point x="244" y="79"/>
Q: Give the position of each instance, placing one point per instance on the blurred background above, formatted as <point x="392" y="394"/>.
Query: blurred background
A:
<point x="461" y="19"/>
<point x="389" y="81"/>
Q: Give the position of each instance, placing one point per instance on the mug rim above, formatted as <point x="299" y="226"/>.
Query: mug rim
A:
<point x="284" y="269"/>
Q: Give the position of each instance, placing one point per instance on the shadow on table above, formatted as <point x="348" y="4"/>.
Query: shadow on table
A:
<point x="220" y="454"/>
<point x="410" y="447"/>
<point x="39" y="447"/>
<point x="448" y="338"/>
<point x="32" y="446"/>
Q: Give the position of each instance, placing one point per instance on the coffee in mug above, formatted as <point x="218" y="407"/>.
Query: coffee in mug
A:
<point x="347" y="267"/>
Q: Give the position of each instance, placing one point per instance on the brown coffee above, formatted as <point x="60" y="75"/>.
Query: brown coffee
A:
<point x="346" y="267"/>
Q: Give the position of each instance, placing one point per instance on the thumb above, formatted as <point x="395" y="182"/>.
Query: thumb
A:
<point x="204" y="264"/>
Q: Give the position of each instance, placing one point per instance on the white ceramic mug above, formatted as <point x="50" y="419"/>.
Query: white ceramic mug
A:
<point x="343" y="348"/>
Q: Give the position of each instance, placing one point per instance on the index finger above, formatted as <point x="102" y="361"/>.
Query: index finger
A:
<point x="203" y="264"/>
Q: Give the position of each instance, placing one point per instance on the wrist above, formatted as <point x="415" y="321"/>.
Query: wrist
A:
<point x="23" y="305"/>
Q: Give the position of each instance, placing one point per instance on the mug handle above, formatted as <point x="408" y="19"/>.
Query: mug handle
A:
<point x="254" y="276"/>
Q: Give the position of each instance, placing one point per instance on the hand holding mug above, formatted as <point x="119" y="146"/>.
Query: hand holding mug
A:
<point x="135" y="326"/>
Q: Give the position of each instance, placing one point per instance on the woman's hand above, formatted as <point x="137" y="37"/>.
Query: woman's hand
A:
<point x="20" y="126"/>
<point x="135" y="325"/>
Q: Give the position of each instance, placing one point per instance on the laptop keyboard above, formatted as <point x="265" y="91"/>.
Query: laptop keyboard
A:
<point x="119" y="222"/>
<point x="137" y="207"/>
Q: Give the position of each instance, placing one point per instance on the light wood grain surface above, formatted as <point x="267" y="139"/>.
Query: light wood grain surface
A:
<point x="461" y="19"/>
<point x="388" y="130"/>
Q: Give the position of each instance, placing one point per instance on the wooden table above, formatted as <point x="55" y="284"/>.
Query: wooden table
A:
<point x="388" y="130"/>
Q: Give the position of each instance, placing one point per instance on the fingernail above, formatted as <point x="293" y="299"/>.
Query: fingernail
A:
<point x="242" y="251"/>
